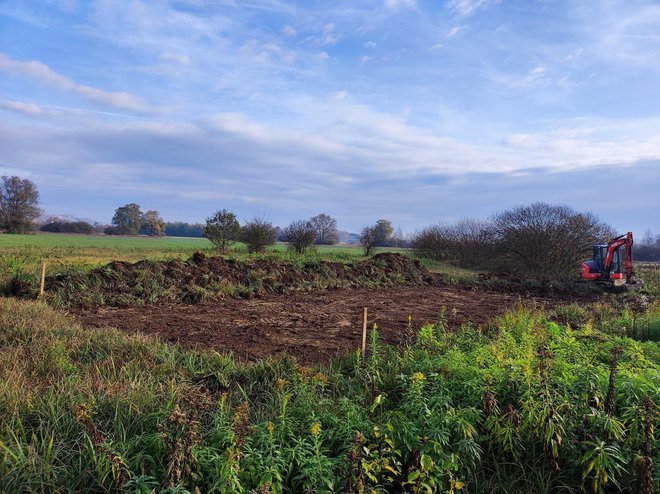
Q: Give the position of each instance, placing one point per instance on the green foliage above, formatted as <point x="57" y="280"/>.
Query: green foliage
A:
<point x="19" y="200"/>
<point x="518" y="409"/>
<point x="384" y="231"/>
<point x="222" y="229"/>
<point x="128" y="219"/>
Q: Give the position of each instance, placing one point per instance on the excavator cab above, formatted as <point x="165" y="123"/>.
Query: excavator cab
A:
<point x="612" y="263"/>
<point x="594" y="268"/>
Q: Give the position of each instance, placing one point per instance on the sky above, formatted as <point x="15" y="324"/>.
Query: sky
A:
<point x="418" y="111"/>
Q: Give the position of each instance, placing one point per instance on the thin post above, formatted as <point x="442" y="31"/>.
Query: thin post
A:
<point x="43" y="279"/>
<point x="364" y="334"/>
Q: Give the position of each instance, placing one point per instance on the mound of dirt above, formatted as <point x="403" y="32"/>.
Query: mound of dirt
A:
<point x="202" y="277"/>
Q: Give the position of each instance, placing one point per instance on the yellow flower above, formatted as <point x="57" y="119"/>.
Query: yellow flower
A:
<point x="320" y="378"/>
<point x="303" y="371"/>
<point x="280" y="384"/>
<point x="418" y="377"/>
<point x="269" y="426"/>
<point x="315" y="429"/>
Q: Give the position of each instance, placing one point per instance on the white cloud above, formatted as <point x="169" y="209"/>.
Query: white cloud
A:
<point x="454" y="31"/>
<point x="617" y="34"/>
<point x="43" y="74"/>
<point x="537" y="77"/>
<point x="466" y="8"/>
<point x="262" y="53"/>
<point x="289" y="30"/>
<point x="370" y="44"/>
<point x="175" y="58"/>
<point x="328" y="36"/>
<point x="394" y="4"/>
<point x="21" y="107"/>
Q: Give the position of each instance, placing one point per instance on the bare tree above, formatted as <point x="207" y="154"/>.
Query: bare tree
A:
<point x="398" y="239"/>
<point x="19" y="201"/>
<point x="258" y="233"/>
<point x="545" y="239"/>
<point x="369" y="239"/>
<point x="435" y="242"/>
<point x="326" y="229"/>
<point x="648" y="239"/>
<point x="300" y="235"/>
<point x="473" y="242"/>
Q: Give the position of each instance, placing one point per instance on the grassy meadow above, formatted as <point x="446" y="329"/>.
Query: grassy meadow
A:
<point x="563" y="400"/>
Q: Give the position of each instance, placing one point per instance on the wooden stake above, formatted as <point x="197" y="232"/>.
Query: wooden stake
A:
<point x="43" y="278"/>
<point x="364" y="334"/>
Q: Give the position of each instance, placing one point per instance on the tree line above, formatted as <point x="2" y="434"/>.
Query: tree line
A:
<point x="539" y="238"/>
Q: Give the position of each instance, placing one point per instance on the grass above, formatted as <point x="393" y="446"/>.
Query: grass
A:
<point x="23" y="254"/>
<point x="563" y="401"/>
<point x="523" y="407"/>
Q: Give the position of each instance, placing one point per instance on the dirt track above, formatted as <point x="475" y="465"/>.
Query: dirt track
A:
<point x="311" y="326"/>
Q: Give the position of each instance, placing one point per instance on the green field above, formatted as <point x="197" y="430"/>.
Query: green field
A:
<point x="23" y="254"/>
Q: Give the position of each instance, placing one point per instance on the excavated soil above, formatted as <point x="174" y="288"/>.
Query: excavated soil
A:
<point x="122" y="284"/>
<point x="310" y="326"/>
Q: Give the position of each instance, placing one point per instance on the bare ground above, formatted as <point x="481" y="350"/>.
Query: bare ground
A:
<point x="310" y="326"/>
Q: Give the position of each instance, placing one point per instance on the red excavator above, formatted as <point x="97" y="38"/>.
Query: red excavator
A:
<point x="608" y="261"/>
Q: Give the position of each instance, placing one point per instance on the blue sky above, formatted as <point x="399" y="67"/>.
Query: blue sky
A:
<point x="418" y="111"/>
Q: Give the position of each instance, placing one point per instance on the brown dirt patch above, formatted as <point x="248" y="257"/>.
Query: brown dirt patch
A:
<point x="311" y="326"/>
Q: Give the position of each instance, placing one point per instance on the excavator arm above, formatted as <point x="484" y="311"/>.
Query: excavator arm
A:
<point x="625" y="241"/>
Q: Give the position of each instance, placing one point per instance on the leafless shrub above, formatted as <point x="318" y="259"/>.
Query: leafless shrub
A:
<point x="300" y="235"/>
<point x="325" y="227"/>
<point x="469" y="243"/>
<point x="369" y="239"/>
<point x="543" y="239"/>
<point x="258" y="233"/>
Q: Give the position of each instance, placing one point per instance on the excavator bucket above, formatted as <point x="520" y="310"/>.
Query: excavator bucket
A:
<point x="631" y="285"/>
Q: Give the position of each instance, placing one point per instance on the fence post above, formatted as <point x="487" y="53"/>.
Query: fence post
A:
<point x="43" y="279"/>
<point x="364" y="334"/>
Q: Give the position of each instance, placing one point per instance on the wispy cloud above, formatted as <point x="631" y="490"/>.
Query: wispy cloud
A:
<point x="454" y="31"/>
<point x="43" y="74"/>
<point x="175" y="58"/>
<point x="327" y="37"/>
<point x="621" y="35"/>
<point x="21" y="107"/>
<point x="394" y="4"/>
<point x="466" y="8"/>
<point x="331" y="105"/>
